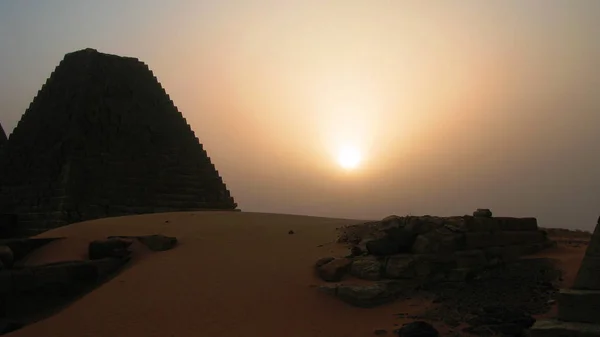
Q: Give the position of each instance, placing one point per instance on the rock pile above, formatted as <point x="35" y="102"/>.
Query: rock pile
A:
<point x="36" y="289"/>
<point x="399" y="252"/>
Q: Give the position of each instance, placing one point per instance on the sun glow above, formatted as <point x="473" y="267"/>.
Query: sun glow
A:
<point x="349" y="158"/>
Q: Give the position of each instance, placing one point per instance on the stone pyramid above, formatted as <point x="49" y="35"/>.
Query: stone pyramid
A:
<point x="578" y="307"/>
<point x="3" y="137"/>
<point x="102" y="138"/>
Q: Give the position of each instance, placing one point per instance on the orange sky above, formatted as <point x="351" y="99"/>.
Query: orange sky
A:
<point x="455" y="105"/>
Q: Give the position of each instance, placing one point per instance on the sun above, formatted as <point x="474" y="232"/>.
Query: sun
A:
<point x="349" y="158"/>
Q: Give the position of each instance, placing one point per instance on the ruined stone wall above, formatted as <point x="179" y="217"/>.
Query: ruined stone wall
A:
<point x="102" y="138"/>
<point x="452" y="246"/>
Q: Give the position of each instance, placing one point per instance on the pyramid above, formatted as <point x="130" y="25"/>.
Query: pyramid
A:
<point x="3" y="138"/>
<point x="102" y="138"/>
<point x="578" y="307"/>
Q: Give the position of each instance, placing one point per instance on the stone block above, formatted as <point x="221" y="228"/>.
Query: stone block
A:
<point x="471" y="259"/>
<point x="503" y="238"/>
<point x="400" y="267"/>
<point x="517" y="224"/>
<point x="367" y="268"/>
<point x="557" y="328"/>
<point x="481" y="224"/>
<point x="579" y="306"/>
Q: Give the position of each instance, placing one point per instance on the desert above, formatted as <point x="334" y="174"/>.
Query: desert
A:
<point x="235" y="273"/>
<point x="299" y="168"/>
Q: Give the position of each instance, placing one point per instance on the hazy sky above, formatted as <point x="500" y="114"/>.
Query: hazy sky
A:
<point x="455" y="105"/>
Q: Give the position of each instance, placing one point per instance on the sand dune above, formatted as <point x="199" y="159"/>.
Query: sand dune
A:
<point x="232" y="274"/>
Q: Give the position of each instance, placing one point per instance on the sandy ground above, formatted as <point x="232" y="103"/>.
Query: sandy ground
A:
<point x="232" y="274"/>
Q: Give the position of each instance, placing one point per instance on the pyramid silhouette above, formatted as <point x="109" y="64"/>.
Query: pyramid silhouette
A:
<point x="102" y="138"/>
<point x="3" y="138"/>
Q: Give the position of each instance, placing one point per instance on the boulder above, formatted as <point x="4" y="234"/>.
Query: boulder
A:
<point x="482" y="212"/>
<point x="417" y="329"/>
<point x="389" y="241"/>
<point x="323" y="261"/>
<point x="365" y="296"/>
<point x="393" y="221"/>
<point x="400" y="267"/>
<point x="23" y="246"/>
<point x="383" y="246"/>
<point x="441" y="240"/>
<point x="112" y="247"/>
<point x="367" y="268"/>
<point x="471" y="259"/>
<point x="334" y="270"/>
<point x="424" y="224"/>
<point x="356" y="251"/>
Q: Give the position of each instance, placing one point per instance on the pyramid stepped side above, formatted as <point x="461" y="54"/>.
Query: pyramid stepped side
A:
<point x="588" y="277"/>
<point x="579" y="307"/>
<point x="3" y="138"/>
<point x="114" y="144"/>
<point x="31" y="165"/>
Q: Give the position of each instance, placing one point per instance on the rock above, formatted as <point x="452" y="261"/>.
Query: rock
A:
<point x="440" y="240"/>
<point x="482" y="212"/>
<point x="422" y="225"/>
<point x="291" y="232"/>
<point x="471" y="259"/>
<point x="400" y="267"/>
<point x="356" y="251"/>
<point x="417" y="329"/>
<point x="323" y="261"/>
<point x="367" y="268"/>
<point x="500" y="319"/>
<point x="334" y="270"/>
<point x="6" y="257"/>
<point x="402" y="237"/>
<point x="383" y="246"/>
<point x="365" y="296"/>
<point x="21" y="247"/>
<point x="158" y="243"/>
<point x="328" y="289"/>
<point x="393" y="221"/>
<point x="112" y="247"/>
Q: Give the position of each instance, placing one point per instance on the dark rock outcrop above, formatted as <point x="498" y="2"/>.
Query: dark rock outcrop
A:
<point x="334" y="270"/>
<point x="483" y="213"/>
<point x="500" y="320"/>
<point x="112" y="247"/>
<point x="417" y="329"/>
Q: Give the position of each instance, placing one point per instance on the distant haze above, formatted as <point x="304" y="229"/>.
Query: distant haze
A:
<point x="455" y="105"/>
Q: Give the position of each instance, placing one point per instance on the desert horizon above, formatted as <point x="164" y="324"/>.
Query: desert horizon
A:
<point x="299" y="168"/>
<point x="356" y="110"/>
